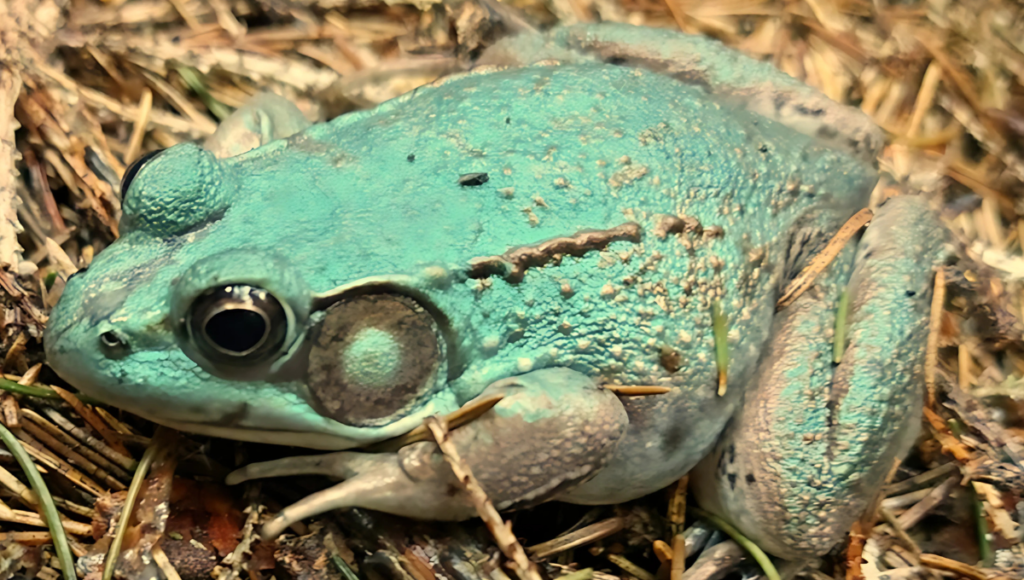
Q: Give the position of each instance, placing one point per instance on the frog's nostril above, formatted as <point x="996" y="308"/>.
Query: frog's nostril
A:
<point x="113" y="345"/>
<point x="111" y="340"/>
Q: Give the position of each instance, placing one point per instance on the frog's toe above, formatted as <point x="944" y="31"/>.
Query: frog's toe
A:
<point x="413" y="482"/>
<point x="815" y="440"/>
<point x="343" y="464"/>
<point x="552" y="430"/>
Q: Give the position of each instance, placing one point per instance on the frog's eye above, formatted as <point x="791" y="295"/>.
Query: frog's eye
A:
<point x="133" y="170"/>
<point x="237" y="323"/>
<point x="374" y="358"/>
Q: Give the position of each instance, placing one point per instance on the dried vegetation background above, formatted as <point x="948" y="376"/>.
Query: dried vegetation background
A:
<point x="87" y="86"/>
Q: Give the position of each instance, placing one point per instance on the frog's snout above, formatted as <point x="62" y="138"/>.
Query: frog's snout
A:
<point x="80" y="341"/>
<point x="76" y="316"/>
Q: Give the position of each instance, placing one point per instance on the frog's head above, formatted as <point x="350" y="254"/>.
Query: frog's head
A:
<point x="179" y="323"/>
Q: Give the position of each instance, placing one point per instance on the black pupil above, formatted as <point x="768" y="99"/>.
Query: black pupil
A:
<point x="236" y="330"/>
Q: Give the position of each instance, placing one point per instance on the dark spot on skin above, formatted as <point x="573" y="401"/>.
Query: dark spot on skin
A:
<point x="732" y="481"/>
<point x="473" y="179"/>
<point x="831" y="406"/>
<point x="780" y="101"/>
<point x="236" y="417"/>
<point x="513" y="264"/>
<point x="827" y="132"/>
<point x="911" y="293"/>
<point x="670" y="359"/>
<point x="410" y="157"/>
<point x="810" y="112"/>
<point x="750" y="478"/>
<point x="732" y="453"/>
<point x="721" y="463"/>
<point x="673" y="438"/>
<point x="868" y="255"/>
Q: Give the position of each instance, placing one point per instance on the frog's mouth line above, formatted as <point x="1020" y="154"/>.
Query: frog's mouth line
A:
<point x="309" y="440"/>
<point x="335" y="437"/>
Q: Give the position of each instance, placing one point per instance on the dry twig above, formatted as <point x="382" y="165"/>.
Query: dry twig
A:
<point x="502" y="532"/>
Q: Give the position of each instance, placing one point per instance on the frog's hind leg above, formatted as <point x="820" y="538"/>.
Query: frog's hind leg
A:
<point x="553" y="429"/>
<point x="814" y="440"/>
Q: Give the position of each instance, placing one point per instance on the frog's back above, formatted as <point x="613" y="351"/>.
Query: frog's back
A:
<point x="484" y="162"/>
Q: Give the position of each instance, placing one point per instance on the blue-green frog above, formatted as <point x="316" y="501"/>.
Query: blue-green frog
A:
<point x="578" y="211"/>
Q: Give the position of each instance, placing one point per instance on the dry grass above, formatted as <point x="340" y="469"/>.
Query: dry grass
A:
<point x="85" y="86"/>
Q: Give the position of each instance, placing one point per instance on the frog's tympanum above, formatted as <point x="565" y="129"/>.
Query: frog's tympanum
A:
<point x="574" y="213"/>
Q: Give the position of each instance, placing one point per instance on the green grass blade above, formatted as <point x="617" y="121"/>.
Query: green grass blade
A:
<point x="50" y="514"/>
<point x="753" y="549"/>
<point x="114" y="552"/>
<point x="43" y="393"/>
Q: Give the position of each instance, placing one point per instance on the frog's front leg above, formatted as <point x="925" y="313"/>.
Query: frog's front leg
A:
<point x="814" y="441"/>
<point x="265" y="117"/>
<point x="554" y="429"/>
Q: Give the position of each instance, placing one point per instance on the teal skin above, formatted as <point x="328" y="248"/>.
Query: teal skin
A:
<point x="634" y="178"/>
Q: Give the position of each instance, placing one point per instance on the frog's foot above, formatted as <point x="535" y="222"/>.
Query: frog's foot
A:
<point x="815" y="440"/>
<point x="554" y="429"/>
<point x="262" y="119"/>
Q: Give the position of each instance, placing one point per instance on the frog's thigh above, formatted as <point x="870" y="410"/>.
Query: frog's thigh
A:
<point x="814" y="441"/>
<point x="553" y="429"/>
<point x="667" y="435"/>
